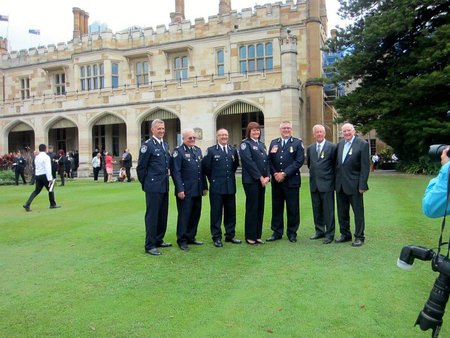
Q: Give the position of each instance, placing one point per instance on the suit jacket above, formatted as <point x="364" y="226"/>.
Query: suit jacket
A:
<point x="220" y="168"/>
<point x="288" y="159"/>
<point x="322" y="167"/>
<point x="353" y="174"/>
<point x="254" y="161"/>
<point x="186" y="171"/>
<point x="153" y="166"/>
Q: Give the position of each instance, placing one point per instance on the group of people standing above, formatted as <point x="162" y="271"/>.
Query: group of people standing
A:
<point x="342" y="168"/>
<point x="103" y="160"/>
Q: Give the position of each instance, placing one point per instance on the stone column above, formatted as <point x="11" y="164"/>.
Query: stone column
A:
<point x="76" y="22"/>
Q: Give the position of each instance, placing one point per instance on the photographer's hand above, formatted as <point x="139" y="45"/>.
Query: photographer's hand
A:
<point x="445" y="156"/>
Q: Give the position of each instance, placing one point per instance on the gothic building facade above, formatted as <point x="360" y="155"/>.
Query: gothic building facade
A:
<point x="103" y="89"/>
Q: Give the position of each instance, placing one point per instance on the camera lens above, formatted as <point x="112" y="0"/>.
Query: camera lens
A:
<point x="436" y="150"/>
<point x="431" y="315"/>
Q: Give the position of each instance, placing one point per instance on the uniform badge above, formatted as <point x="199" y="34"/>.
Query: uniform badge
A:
<point x="243" y="146"/>
<point x="291" y="150"/>
<point x="255" y="148"/>
<point x="350" y="151"/>
<point x="274" y="149"/>
<point x="322" y="155"/>
<point x="187" y="155"/>
<point x="175" y="153"/>
<point x="144" y="149"/>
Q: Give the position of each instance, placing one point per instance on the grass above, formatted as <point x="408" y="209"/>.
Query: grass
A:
<point x="81" y="271"/>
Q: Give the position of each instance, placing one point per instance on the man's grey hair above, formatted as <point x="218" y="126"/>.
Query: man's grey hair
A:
<point x="157" y="121"/>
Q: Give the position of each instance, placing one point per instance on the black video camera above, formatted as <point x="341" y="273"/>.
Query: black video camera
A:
<point x="431" y="315"/>
<point x="436" y="150"/>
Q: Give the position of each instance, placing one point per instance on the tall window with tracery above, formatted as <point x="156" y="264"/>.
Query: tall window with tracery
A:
<point x="92" y="77"/>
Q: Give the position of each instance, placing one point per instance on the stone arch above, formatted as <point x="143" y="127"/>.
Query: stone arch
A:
<point x="235" y="115"/>
<point x="19" y="135"/>
<point x="63" y="133"/>
<point x="108" y="132"/>
<point x="171" y="121"/>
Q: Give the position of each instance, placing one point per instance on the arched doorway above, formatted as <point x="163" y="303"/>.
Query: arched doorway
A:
<point x="109" y="133"/>
<point x="21" y="137"/>
<point x="63" y="134"/>
<point x="235" y="118"/>
<point x="172" y="124"/>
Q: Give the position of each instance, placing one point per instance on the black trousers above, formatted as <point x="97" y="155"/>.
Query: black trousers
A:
<point x="20" y="172"/>
<point x="128" y="172"/>
<point x="96" y="171"/>
<point x="343" y="204"/>
<point x="155" y="218"/>
<point x="189" y="210"/>
<point x="222" y="204"/>
<point x="254" y="210"/>
<point x="282" y="194"/>
<point x="41" y="182"/>
<point x="323" y="213"/>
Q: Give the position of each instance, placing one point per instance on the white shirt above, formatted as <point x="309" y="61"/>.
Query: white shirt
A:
<point x="43" y="165"/>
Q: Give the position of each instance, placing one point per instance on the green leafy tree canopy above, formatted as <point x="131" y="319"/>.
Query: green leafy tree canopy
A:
<point x="398" y="64"/>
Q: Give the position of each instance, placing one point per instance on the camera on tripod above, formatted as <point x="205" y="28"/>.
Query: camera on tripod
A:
<point x="431" y="315"/>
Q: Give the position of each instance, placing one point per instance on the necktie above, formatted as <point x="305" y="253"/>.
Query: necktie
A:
<point x="346" y="149"/>
<point x="318" y="150"/>
<point x="283" y="143"/>
<point x="162" y="145"/>
<point x="224" y="148"/>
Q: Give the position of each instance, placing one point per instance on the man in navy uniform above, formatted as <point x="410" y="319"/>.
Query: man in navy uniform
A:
<point x="190" y="186"/>
<point x="219" y="165"/>
<point x="153" y="173"/>
<point x="352" y="174"/>
<point x="286" y="156"/>
<point x="321" y="163"/>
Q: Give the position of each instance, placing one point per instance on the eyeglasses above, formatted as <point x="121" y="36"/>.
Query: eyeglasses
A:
<point x="191" y="138"/>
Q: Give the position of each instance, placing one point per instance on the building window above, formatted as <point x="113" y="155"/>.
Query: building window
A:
<point x="142" y="73"/>
<point x="92" y="77"/>
<point x="180" y="67"/>
<point x="115" y="75"/>
<point x="60" y="84"/>
<point x="25" y="88"/>
<point x="99" y="137"/>
<point x="256" y="58"/>
<point x="220" y="64"/>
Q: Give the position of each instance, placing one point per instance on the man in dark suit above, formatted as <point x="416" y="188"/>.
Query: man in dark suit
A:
<point x="286" y="156"/>
<point x="153" y="173"/>
<point x="352" y="174"/>
<point x="127" y="162"/>
<point x="321" y="160"/>
<point x="190" y="186"/>
<point x="219" y="165"/>
<point x="53" y="160"/>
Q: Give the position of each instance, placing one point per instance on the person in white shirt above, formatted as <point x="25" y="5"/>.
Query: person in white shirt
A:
<point x="44" y="178"/>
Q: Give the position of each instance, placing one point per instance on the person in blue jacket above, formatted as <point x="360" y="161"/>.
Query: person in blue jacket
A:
<point x="219" y="165"/>
<point x="436" y="194"/>
<point x="255" y="177"/>
<point x="153" y="174"/>
<point x="190" y="186"/>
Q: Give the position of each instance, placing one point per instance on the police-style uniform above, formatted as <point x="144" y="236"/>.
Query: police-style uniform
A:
<point x="187" y="176"/>
<point x="254" y="165"/>
<point x="20" y="164"/>
<point x="153" y="174"/>
<point x="220" y="165"/>
<point x="288" y="159"/>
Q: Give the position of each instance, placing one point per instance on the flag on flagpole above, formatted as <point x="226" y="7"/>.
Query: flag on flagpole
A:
<point x="34" y="31"/>
<point x="4" y="18"/>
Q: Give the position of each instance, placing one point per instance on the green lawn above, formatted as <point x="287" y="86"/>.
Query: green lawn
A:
<point x="81" y="270"/>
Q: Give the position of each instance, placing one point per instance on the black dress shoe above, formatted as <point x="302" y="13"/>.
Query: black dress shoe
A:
<point x="343" y="239"/>
<point x="357" y="242"/>
<point x="316" y="236"/>
<point x="184" y="247"/>
<point x="218" y="243"/>
<point x="164" y="245"/>
<point x="195" y="242"/>
<point x="233" y="240"/>
<point x="26" y="207"/>
<point x="327" y="241"/>
<point x="272" y="239"/>
<point x="55" y="206"/>
<point x="153" y="252"/>
<point x="293" y="239"/>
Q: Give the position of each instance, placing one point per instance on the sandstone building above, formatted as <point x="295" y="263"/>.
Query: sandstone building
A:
<point x="103" y="89"/>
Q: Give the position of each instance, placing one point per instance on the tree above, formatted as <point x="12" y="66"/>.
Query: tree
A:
<point x="399" y="59"/>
